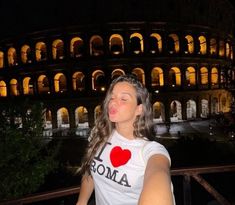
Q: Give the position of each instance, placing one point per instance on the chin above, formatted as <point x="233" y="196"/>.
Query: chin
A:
<point x="112" y="119"/>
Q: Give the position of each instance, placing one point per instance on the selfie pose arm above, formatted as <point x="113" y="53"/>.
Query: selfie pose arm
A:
<point x="86" y="189"/>
<point x="157" y="183"/>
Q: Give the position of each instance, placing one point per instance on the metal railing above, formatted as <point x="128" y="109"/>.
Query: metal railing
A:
<point x="187" y="173"/>
<point x="196" y="173"/>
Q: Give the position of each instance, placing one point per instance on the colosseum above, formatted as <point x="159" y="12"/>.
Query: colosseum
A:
<point x="183" y="52"/>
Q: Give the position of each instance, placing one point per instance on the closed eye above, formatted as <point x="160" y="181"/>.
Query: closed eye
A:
<point x="124" y="99"/>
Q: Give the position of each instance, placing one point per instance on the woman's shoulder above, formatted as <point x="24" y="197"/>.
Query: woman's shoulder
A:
<point x="155" y="144"/>
<point x="153" y="147"/>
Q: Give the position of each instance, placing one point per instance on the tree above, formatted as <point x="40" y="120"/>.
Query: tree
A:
<point x="25" y="158"/>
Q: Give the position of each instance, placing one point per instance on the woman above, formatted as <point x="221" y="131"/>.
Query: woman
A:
<point x="123" y="164"/>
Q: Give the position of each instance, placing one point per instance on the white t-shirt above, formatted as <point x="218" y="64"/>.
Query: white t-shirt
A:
<point x="118" y="169"/>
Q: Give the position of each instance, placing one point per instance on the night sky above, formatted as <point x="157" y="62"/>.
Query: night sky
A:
<point x="23" y="16"/>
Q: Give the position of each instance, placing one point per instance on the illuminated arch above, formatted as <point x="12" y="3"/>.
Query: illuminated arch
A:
<point x="78" y="81"/>
<point x="12" y="57"/>
<point x="175" y="111"/>
<point x="48" y="118"/>
<point x="136" y="43"/>
<point x="191" y="109"/>
<point x="63" y="118"/>
<point x="139" y="73"/>
<point x="214" y="76"/>
<point x="76" y="47"/>
<point x="190" y="44"/>
<point x="157" y="77"/>
<point x="27" y="86"/>
<point x="96" y="46"/>
<point x="205" y="108"/>
<point x="213" y="46"/>
<point x="60" y="82"/>
<point x="26" y="54"/>
<point x="58" y="49"/>
<point x="116" y="45"/>
<point x="155" y="43"/>
<point x="41" y="51"/>
<point x="173" y="43"/>
<point x="47" y="122"/>
<point x="14" y="87"/>
<point x="43" y="85"/>
<point x="98" y="81"/>
<point x="116" y="73"/>
<point x="204" y="75"/>
<point x="175" y="77"/>
<point x="1" y="59"/>
<point x="158" y="112"/>
<point x="3" y="89"/>
<point x="81" y="117"/>
<point x="202" y="42"/>
<point x="190" y="76"/>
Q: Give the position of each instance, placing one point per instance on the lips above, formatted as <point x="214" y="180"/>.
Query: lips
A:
<point x="112" y="111"/>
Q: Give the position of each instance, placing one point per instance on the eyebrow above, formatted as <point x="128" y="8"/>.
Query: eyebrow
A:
<point x="127" y="93"/>
<point x="123" y="93"/>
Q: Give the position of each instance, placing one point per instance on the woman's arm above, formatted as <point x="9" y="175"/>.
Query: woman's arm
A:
<point x="157" y="182"/>
<point x="87" y="187"/>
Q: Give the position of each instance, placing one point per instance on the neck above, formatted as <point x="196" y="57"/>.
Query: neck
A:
<point x="126" y="131"/>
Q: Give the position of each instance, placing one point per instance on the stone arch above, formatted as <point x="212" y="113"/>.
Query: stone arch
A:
<point x="43" y="85"/>
<point x="139" y="73"/>
<point x="3" y="89"/>
<point x="136" y="43"/>
<point x="157" y="77"/>
<point x="14" y="87"/>
<point x="158" y="112"/>
<point x="63" y="118"/>
<point x="76" y="47"/>
<point x="60" y="83"/>
<point x="175" y="111"/>
<point x="41" y="51"/>
<point x="191" y="110"/>
<point x="78" y="81"/>
<point x="58" y="49"/>
<point x="117" y="72"/>
<point x="116" y="44"/>
<point x="98" y="81"/>
<point x="96" y="45"/>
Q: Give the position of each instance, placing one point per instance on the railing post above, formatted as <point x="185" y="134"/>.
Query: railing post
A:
<point x="210" y="189"/>
<point x="187" y="190"/>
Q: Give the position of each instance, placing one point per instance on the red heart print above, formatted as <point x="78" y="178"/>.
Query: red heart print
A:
<point x="119" y="156"/>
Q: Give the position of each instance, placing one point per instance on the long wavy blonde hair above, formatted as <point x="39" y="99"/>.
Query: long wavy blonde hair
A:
<point x="143" y="125"/>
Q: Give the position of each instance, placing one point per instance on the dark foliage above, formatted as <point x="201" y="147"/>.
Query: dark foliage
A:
<point x="25" y="159"/>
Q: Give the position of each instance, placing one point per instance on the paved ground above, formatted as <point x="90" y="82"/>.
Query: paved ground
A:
<point x="207" y="128"/>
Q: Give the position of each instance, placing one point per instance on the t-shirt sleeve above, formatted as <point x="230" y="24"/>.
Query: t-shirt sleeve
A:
<point x="152" y="148"/>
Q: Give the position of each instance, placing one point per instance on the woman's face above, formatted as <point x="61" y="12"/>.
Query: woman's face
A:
<point x="122" y="107"/>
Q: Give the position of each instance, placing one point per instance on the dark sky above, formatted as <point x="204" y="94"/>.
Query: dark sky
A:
<point x="20" y="16"/>
<point x="23" y="16"/>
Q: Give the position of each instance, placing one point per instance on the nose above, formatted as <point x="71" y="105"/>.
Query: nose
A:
<point x="113" y="102"/>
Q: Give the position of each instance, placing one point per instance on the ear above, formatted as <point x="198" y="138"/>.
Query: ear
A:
<point x="139" y="109"/>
